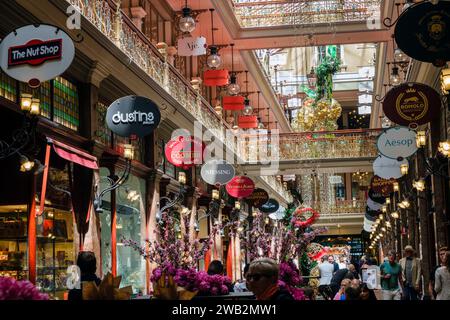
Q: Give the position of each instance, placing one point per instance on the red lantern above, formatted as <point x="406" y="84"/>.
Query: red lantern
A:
<point x="184" y="151"/>
<point x="214" y="78"/>
<point x="240" y="187"/>
<point x="234" y="103"/>
<point x="248" y="122"/>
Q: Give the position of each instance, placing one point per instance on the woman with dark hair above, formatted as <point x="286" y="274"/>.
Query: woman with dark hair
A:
<point x="87" y="263"/>
<point x="215" y="267"/>
<point x="442" y="282"/>
<point x="367" y="294"/>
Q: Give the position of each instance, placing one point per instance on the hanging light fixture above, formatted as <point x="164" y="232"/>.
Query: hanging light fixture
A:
<point x="233" y="88"/>
<point x="444" y="148"/>
<point x="388" y="200"/>
<point x="312" y="78"/>
<point x="399" y="55"/>
<point x="421" y="139"/>
<point x="182" y="178"/>
<point x="213" y="61"/>
<point x="395" y="77"/>
<point x="419" y="185"/>
<point x="445" y="80"/>
<point x="25" y="164"/>
<point x="395" y="215"/>
<point x="384" y="209"/>
<point x="215" y="194"/>
<point x="25" y="102"/>
<point x="396" y="186"/>
<point x="404" y="168"/>
<point x="187" y="22"/>
<point x="248" y="110"/>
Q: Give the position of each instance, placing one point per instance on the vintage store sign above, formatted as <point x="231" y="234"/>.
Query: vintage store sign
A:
<point x="217" y="172"/>
<point x="397" y="143"/>
<point x="185" y="151"/>
<point x="133" y="115"/>
<point x="387" y="168"/>
<point x="411" y="104"/>
<point x="382" y="186"/>
<point x="35" y="54"/>
<point x="258" y="198"/>
<point x="423" y="32"/>
<point x="270" y="206"/>
<point x="240" y="187"/>
<point x="190" y="46"/>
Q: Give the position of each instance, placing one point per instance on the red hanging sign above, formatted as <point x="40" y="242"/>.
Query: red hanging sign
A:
<point x="240" y="187"/>
<point x="233" y="103"/>
<point x="185" y="152"/>
<point x="214" y="78"/>
<point x="248" y="122"/>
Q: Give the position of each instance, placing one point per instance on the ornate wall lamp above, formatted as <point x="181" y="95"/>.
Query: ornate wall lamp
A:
<point x="177" y="200"/>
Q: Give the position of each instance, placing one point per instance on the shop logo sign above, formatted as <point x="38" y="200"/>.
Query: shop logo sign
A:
<point x="240" y="187"/>
<point x="217" y="172"/>
<point x="258" y="198"/>
<point x="133" y="116"/>
<point x="35" y="54"/>
<point x="184" y="151"/>
<point x="270" y="206"/>
<point x="190" y="46"/>
<point x="397" y="143"/>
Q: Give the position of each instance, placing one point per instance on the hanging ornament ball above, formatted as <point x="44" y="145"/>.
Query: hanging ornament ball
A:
<point x="248" y="110"/>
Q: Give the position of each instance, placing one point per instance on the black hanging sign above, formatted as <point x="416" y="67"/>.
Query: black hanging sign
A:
<point x="423" y="32"/>
<point x="270" y="206"/>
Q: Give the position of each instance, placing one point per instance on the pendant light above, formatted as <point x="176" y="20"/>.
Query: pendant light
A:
<point x="260" y="125"/>
<point x="187" y="22"/>
<point x="214" y="61"/>
<point x="248" y="110"/>
<point x="395" y="77"/>
<point x="233" y="87"/>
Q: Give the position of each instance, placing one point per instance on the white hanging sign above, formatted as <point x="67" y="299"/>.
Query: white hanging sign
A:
<point x="396" y="143"/>
<point x="190" y="46"/>
<point x="335" y="179"/>
<point x="387" y="168"/>
<point x="35" y="54"/>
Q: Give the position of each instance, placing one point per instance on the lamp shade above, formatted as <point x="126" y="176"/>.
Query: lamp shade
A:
<point x="213" y="78"/>
<point x="248" y="122"/>
<point x="234" y="103"/>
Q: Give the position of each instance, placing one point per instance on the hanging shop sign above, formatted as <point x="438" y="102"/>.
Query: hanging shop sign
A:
<point x="423" y="32"/>
<point x="381" y="186"/>
<point x="36" y="53"/>
<point x="411" y="104"/>
<point x="335" y="179"/>
<point x="240" y="187"/>
<point x="387" y="168"/>
<point x="191" y="46"/>
<point x="133" y="116"/>
<point x="397" y="143"/>
<point x="373" y="205"/>
<point x="215" y="78"/>
<point x="258" y="198"/>
<point x="368" y="225"/>
<point x="184" y="151"/>
<point x="270" y="206"/>
<point x="217" y="172"/>
<point x="279" y="214"/>
<point x="376" y="196"/>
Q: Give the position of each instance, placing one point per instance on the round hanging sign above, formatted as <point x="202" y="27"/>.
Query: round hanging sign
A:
<point x="373" y="205"/>
<point x="184" y="151"/>
<point x="397" y="143"/>
<point x="240" y="187"/>
<point x="279" y="214"/>
<point x="258" y="198"/>
<point x="376" y="196"/>
<point x="387" y="168"/>
<point x="217" y="172"/>
<point x="270" y="206"/>
<point x="36" y="53"/>
<point x="133" y="116"/>
<point x="411" y="104"/>
<point x="423" y="32"/>
<point x="383" y="187"/>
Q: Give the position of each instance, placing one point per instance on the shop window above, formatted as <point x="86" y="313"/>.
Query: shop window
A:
<point x="103" y="134"/>
<point x="13" y="241"/>
<point x="138" y="144"/>
<point x="65" y="103"/>
<point x="7" y="87"/>
<point x="55" y="249"/>
<point x="105" y="223"/>
<point x="130" y="224"/>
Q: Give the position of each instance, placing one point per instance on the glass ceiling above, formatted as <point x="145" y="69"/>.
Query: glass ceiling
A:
<point x="257" y="13"/>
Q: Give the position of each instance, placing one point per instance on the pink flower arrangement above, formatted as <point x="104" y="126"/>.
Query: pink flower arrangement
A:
<point x="11" y="289"/>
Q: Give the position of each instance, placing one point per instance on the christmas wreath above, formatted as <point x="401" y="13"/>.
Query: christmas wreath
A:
<point x="298" y="219"/>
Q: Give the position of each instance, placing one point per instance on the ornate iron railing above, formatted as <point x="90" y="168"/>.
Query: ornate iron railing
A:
<point x="278" y="187"/>
<point x="338" y="207"/>
<point x="341" y="144"/>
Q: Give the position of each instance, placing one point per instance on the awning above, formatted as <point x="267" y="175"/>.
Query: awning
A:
<point x="74" y="155"/>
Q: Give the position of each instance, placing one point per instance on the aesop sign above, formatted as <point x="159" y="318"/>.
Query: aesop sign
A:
<point x="217" y="172"/>
<point x="133" y="115"/>
<point x="397" y="143"/>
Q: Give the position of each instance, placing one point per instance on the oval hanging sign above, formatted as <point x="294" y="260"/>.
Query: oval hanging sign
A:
<point x="373" y="205"/>
<point x="411" y="104"/>
<point x="217" y="172"/>
<point x="423" y="32"/>
<point x="397" y="143"/>
<point x="270" y="206"/>
<point x="240" y="187"/>
<point x="377" y="196"/>
<point x="133" y="116"/>
<point x="35" y="54"/>
<point x="387" y="168"/>
<point x="258" y="198"/>
<point x="381" y="186"/>
<point x="184" y="151"/>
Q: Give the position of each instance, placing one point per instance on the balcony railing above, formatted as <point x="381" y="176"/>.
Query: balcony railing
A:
<point x="338" y="207"/>
<point x="278" y="187"/>
<point x="117" y="27"/>
<point x="341" y="144"/>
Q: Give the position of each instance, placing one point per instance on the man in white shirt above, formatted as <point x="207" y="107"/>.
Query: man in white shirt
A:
<point x="326" y="273"/>
<point x="342" y="263"/>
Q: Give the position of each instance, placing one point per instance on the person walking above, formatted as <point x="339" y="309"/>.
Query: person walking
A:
<point x="87" y="263"/>
<point x="411" y="272"/>
<point x="340" y="275"/>
<point x="391" y="275"/>
<point x="326" y="270"/>
<point x="442" y="276"/>
<point x="431" y="292"/>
